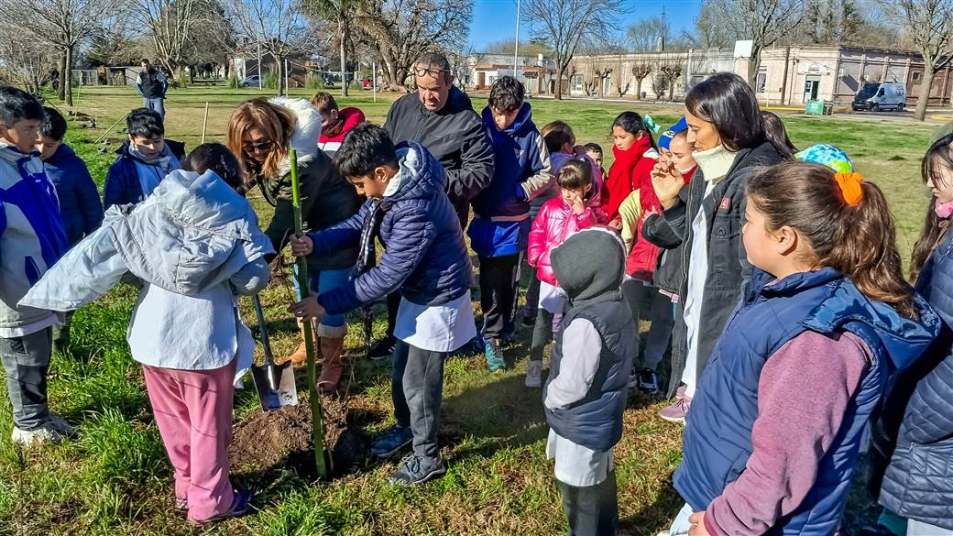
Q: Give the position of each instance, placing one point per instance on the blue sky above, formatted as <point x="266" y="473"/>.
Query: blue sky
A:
<point x="495" y="20"/>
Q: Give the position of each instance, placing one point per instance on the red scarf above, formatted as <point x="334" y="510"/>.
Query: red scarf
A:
<point x="621" y="181"/>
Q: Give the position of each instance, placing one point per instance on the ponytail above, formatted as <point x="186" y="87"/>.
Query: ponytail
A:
<point x="934" y="227"/>
<point x="845" y="220"/>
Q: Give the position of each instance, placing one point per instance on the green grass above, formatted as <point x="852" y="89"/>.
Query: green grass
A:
<point x="115" y="479"/>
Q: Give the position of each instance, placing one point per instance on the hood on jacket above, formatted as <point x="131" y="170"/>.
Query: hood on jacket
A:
<point x="12" y="155"/>
<point x="420" y="174"/>
<point x="904" y="339"/>
<point x="307" y="129"/>
<point x="522" y="125"/>
<point x="62" y="152"/>
<point x="578" y="275"/>
<point x="202" y="200"/>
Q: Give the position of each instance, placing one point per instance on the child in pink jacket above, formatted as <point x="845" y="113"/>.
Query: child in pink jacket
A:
<point x="558" y="218"/>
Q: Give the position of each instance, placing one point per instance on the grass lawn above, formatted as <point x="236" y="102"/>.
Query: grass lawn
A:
<point x="115" y="479"/>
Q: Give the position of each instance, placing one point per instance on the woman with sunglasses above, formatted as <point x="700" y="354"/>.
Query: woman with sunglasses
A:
<point x="260" y="132"/>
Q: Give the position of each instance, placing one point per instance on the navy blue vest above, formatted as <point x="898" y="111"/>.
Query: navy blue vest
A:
<point x="595" y="422"/>
<point x="718" y="432"/>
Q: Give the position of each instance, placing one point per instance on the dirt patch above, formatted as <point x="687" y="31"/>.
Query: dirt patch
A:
<point x="265" y="440"/>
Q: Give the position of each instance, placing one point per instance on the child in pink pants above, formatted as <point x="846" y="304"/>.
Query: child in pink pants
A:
<point x="191" y="345"/>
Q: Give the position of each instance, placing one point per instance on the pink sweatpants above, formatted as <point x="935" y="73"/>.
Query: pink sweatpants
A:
<point x="193" y="409"/>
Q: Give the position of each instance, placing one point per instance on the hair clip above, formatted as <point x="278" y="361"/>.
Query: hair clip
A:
<point x="650" y="124"/>
<point x="851" y="187"/>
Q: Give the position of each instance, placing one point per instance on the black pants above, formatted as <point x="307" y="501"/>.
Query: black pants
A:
<point x="592" y="510"/>
<point x="393" y="303"/>
<point x="417" y="391"/>
<point x="499" y="281"/>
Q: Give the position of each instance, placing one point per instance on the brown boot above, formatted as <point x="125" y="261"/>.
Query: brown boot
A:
<point x="301" y="354"/>
<point x="332" y="364"/>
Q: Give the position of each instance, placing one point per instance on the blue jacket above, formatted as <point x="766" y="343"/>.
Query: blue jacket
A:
<point x="521" y="173"/>
<point x="122" y="182"/>
<point x="425" y="255"/>
<point x="918" y="483"/>
<point x="80" y="207"/>
<point x="718" y="432"/>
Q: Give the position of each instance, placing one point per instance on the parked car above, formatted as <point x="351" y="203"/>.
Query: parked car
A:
<point x="874" y="96"/>
<point x="251" y="81"/>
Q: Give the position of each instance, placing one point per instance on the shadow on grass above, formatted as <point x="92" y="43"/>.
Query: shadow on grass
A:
<point x="656" y="517"/>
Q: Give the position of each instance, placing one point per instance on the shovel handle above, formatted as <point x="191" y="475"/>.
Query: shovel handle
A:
<point x="265" y="342"/>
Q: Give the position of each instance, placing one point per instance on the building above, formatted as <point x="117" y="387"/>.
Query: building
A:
<point x="787" y="75"/>
<point x="537" y="73"/>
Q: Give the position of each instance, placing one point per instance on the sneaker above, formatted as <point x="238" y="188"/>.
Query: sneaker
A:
<point x="383" y="348"/>
<point x="46" y="433"/>
<point x="61" y="426"/>
<point x="392" y="441"/>
<point x="181" y="505"/>
<point x="677" y="411"/>
<point x="495" y="360"/>
<point x="534" y="374"/>
<point x="647" y="381"/>
<point x="528" y="319"/>
<point x="417" y="470"/>
<point x="241" y="505"/>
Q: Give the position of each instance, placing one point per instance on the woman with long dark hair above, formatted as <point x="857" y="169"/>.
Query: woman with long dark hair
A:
<point x="726" y="132"/>
<point x="261" y="132"/>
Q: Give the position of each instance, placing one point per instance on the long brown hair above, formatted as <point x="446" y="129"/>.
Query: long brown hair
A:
<point x="860" y="241"/>
<point x="275" y="121"/>
<point x="937" y="157"/>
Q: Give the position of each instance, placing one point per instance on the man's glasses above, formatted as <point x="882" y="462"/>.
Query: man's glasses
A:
<point x="429" y="71"/>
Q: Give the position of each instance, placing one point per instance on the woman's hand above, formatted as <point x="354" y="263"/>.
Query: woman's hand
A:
<point x="698" y="525"/>
<point x="667" y="183"/>
<point x="308" y="308"/>
<point x="301" y="247"/>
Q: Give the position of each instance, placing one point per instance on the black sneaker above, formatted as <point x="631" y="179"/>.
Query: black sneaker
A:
<point x="383" y="348"/>
<point x="417" y="470"/>
<point x="392" y="441"/>
<point x="648" y="381"/>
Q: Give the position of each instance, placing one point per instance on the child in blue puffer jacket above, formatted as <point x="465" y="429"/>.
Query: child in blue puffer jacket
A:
<point x="498" y="232"/>
<point x="425" y="259"/>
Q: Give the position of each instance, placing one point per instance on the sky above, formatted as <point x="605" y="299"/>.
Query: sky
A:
<point x="495" y="20"/>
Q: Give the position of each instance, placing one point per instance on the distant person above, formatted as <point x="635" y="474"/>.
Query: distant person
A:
<point x="440" y="117"/>
<point x="335" y="123"/>
<point x="32" y="239"/>
<point x="501" y="220"/>
<point x="144" y="160"/>
<point x="152" y="84"/>
<point x="80" y="207"/>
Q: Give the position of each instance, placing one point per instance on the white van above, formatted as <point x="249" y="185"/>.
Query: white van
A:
<point x="875" y="96"/>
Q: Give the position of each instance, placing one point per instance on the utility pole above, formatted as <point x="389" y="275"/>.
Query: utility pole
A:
<point x="516" y="48"/>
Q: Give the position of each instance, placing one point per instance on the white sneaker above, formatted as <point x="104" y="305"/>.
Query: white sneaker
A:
<point x="29" y="438"/>
<point x="534" y="374"/>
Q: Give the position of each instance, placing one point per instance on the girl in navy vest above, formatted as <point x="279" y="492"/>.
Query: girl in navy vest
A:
<point x="918" y="483"/>
<point x="777" y="421"/>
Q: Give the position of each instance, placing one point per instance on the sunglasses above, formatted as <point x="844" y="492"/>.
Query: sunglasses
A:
<point x="257" y="145"/>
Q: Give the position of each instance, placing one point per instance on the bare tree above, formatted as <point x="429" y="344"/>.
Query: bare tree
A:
<point x="764" y="22"/>
<point x="564" y="24"/>
<point x="671" y="72"/>
<point x="400" y="31"/>
<point x="622" y="85"/>
<point x="640" y="71"/>
<point x="64" y="24"/>
<point x="659" y="85"/>
<point x="929" y="24"/>
<point x="341" y="15"/>
<point x="280" y="27"/>
<point x="649" y="35"/>
<point x="24" y="59"/>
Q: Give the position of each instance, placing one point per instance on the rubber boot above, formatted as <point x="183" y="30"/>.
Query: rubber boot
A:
<point x="332" y="364"/>
<point x="300" y="355"/>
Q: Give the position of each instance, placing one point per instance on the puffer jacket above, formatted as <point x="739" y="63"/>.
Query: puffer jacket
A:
<point x="555" y="223"/>
<point x="326" y="197"/>
<point x="32" y="239"/>
<point x="195" y="243"/>
<point x="122" y="186"/>
<point x="425" y="255"/>
<point x="918" y="483"/>
<point x="80" y="207"/>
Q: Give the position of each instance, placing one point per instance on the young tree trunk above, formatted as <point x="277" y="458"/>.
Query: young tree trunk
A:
<point x="925" y="85"/>
<point x="638" y="90"/>
<point x="67" y="79"/>
<point x="560" y="70"/>
<point x="342" y="35"/>
<point x="62" y="89"/>
<point x="754" y="65"/>
<point x="280" y="68"/>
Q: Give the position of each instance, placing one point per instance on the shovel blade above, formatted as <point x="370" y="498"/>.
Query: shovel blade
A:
<point x="275" y="385"/>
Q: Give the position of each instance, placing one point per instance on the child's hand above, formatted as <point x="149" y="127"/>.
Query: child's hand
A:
<point x="616" y="224"/>
<point x="301" y="247"/>
<point x="308" y="308"/>
<point x="698" y="525"/>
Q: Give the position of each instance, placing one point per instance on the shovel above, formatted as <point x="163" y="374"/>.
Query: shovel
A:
<point x="275" y="383"/>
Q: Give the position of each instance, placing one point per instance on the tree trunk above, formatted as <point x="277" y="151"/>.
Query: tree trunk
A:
<point x="638" y="90"/>
<point x="671" y="90"/>
<point x="67" y="78"/>
<point x="754" y="64"/>
<point x="180" y="75"/>
<point x="62" y="89"/>
<point x="280" y="68"/>
<point x="925" y="85"/>
<point x="560" y="70"/>
<point x="342" y="35"/>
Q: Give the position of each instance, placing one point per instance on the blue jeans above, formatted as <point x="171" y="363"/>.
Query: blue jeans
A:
<point x="156" y="105"/>
<point x="326" y="281"/>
